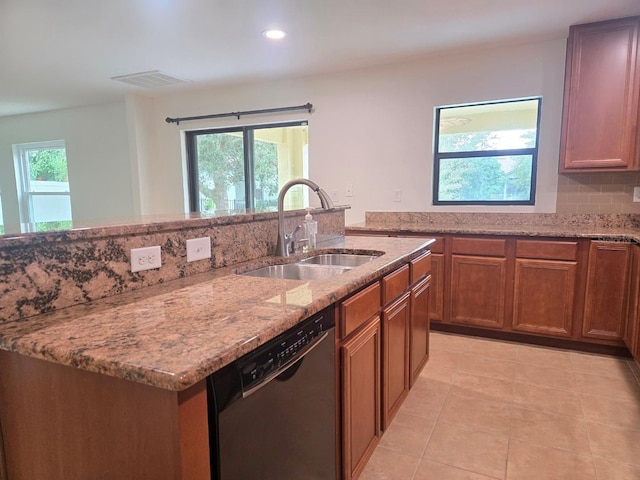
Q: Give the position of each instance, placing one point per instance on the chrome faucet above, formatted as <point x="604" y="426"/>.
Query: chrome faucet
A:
<point x="284" y="240"/>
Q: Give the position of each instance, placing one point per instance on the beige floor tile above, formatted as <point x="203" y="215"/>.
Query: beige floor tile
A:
<point x="477" y="413"/>
<point x="487" y="366"/>
<point x="545" y="376"/>
<point x="545" y="399"/>
<point x="438" y="374"/>
<point x="387" y="464"/>
<point x="532" y="462"/>
<point x="611" y="411"/>
<point x="550" y="430"/>
<point x="544" y="357"/>
<point x="614" y="443"/>
<point x="443" y="358"/>
<point x="635" y="369"/>
<point x="408" y="434"/>
<point x="428" y="470"/>
<point x="426" y="398"/>
<point x="616" y="471"/>
<point x="606" y="365"/>
<point x="493" y="348"/>
<point x="466" y="384"/>
<point x="472" y="450"/>
<point x="624" y="388"/>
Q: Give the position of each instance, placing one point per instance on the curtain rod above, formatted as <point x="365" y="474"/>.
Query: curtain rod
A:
<point x="306" y="106"/>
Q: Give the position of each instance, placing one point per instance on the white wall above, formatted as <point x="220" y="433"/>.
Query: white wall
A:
<point x="373" y="127"/>
<point x="97" y="145"/>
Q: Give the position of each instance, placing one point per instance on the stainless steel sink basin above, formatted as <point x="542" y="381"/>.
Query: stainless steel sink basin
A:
<point x="298" y="271"/>
<point x="339" y="259"/>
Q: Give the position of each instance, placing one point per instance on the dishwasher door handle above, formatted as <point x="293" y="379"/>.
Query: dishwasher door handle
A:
<point x="268" y="379"/>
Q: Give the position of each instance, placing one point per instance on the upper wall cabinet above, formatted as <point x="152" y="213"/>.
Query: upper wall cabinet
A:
<point x="601" y="98"/>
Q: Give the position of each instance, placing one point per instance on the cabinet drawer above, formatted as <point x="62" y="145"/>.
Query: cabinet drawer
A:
<point x="394" y="284"/>
<point x="359" y="308"/>
<point x="479" y="246"/>
<point x="546" y="250"/>
<point x="420" y="267"/>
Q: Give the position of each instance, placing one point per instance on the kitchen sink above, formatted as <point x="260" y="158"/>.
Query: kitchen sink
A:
<point x="298" y="271"/>
<point x="339" y="259"/>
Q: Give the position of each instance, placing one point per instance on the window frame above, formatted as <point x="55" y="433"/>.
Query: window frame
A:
<point x="437" y="157"/>
<point x="249" y="160"/>
<point x="25" y="194"/>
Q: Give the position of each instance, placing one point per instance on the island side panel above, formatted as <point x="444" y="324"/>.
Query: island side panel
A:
<point x="62" y="423"/>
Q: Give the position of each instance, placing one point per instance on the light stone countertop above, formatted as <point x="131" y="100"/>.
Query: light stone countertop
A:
<point x="174" y="334"/>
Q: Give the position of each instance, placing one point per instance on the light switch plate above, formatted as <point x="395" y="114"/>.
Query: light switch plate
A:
<point x="198" y="249"/>
<point x="146" y="258"/>
<point x="636" y="194"/>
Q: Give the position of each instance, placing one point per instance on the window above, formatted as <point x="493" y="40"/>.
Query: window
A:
<point x="1" y="217"/>
<point x="486" y="153"/>
<point x="43" y="184"/>
<point x="245" y="167"/>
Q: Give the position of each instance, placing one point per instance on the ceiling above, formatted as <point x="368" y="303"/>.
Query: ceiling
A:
<point x="58" y="54"/>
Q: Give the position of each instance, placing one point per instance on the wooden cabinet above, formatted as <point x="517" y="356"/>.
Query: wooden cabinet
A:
<point x="71" y="424"/>
<point x="601" y="98"/>
<point x="360" y="357"/>
<point x="545" y="287"/>
<point x="395" y="363"/>
<point x="607" y="290"/>
<point x="478" y="283"/>
<point x="419" y="328"/>
<point x="631" y="333"/>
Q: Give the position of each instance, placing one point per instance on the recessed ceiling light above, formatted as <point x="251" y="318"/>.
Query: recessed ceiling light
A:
<point x="274" y="34"/>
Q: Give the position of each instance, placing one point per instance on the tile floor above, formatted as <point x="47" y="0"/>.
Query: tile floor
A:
<point x="485" y="409"/>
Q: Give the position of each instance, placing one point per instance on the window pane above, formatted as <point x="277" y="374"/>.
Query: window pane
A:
<point x="280" y="155"/>
<point x="48" y="170"/>
<point x="50" y="208"/>
<point x="220" y="171"/>
<point x="496" y="126"/>
<point x="479" y="179"/>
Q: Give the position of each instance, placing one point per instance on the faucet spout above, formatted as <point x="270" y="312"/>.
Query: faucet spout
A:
<point x="284" y="240"/>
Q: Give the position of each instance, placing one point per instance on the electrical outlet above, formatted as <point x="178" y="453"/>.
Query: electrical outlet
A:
<point x="636" y="194"/>
<point x="397" y="195"/>
<point x="198" y="249"/>
<point x="349" y="190"/>
<point x="146" y="258"/>
<point x="334" y="196"/>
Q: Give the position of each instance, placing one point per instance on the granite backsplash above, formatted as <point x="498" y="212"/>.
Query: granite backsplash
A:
<point x="44" y="272"/>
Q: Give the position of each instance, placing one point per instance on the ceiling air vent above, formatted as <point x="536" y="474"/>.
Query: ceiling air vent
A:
<point x="152" y="79"/>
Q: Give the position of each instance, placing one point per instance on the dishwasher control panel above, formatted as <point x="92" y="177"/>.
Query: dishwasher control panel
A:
<point x="283" y="349"/>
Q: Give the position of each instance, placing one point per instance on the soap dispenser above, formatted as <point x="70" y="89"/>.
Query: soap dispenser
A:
<point x="310" y="229"/>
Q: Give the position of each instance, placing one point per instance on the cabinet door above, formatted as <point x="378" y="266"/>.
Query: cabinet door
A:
<point x="607" y="286"/>
<point x="360" y="358"/>
<point x="436" y="305"/>
<point x="631" y="332"/>
<point x="395" y="357"/>
<point x="419" y="331"/>
<point x="478" y="291"/>
<point x="544" y="296"/>
<point x="602" y="85"/>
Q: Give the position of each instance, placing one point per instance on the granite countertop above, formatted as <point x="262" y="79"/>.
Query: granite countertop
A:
<point x="627" y="234"/>
<point x="174" y="334"/>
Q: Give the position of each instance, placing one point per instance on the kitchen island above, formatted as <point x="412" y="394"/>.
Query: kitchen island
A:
<point x="115" y="388"/>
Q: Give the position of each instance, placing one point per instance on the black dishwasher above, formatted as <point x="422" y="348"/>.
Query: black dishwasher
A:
<point x="272" y="412"/>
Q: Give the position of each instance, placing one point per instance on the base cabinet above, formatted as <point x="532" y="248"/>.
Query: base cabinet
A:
<point x="420" y="303"/>
<point x="478" y="291"/>
<point x="631" y="334"/>
<point x="361" y="361"/>
<point x="71" y="424"/>
<point x="395" y="364"/>
<point x="607" y="290"/>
